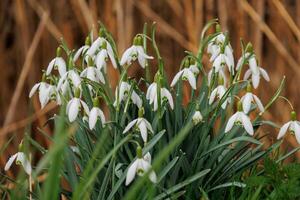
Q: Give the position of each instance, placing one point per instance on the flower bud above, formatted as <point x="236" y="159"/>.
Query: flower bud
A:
<point x="293" y="115"/>
<point x="96" y="102"/>
<point x="197" y="118"/>
<point x="58" y="52"/>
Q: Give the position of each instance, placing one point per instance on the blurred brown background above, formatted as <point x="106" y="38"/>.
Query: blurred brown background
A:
<point x="31" y="30"/>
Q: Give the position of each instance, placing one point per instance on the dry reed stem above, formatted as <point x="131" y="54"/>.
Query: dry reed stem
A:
<point x="25" y="70"/>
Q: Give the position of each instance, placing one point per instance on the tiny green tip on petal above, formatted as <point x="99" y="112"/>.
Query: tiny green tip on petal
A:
<point x="139" y="152"/>
<point x="293" y="115"/>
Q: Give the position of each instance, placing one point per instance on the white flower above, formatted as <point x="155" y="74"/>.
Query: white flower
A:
<point x="197" y="117"/>
<point x="193" y="68"/>
<point x="122" y="94"/>
<point x="21" y="159"/>
<point x="58" y="62"/>
<point x="241" y="118"/>
<point x="218" y="92"/>
<point x="185" y="73"/>
<point x="164" y="95"/>
<point x="135" y="52"/>
<point x="255" y="75"/>
<point x="142" y="124"/>
<point x="101" y="58"/>
<point x="93" y="74"/>
<point x="293" y="126"/>
<point x="222" y="60"/>
<point x="247" y="99"/>
<point x="45" y="92"/>
<point x="73" y="108"/>
<point x="100" y="41"/>
<point x="71" y="75"/>
<point x="81" y="51"/>
<point x="140" y="166"/>
<point x="93" y="116"/>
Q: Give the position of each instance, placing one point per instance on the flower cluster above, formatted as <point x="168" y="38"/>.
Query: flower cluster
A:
<point x="85" y="71"/>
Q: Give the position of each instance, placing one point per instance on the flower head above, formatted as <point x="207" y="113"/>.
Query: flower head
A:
<point x="140" y="166"/>
<point x="248" y="98"/>
<point x="58" y="62"/>
<point x="46" y="91"/>
<point x="74" y="106"/>
<point x="136" y="51"/>
<point x="82" y="50"/>
<point x="185" y="74"/>
<point x="92" y="73"/>
<point x="240" y="118"/>
<point x="165" y="95"/>
<point x="219" y="92"/>
<point x="142" y="124"/>
<point x="122" y="94"/>
<point x="293" y="126"/>
<point x="94" y="114"/>
<point x="197" y="117"/>
<point x="71" y="76"/>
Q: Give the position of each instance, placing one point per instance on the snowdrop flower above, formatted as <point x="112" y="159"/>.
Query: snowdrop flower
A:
<point x="45" y="91"/>
<point x="92" y="73"/>
<point x="214" y="46"/>
<point x="74" y="106"/>
<point x="142" y="124"/>
<point x="219" y="92"/>
<point x="255" y="76"/>
<point x="122" y="94"/>
<point x="197" y="117"/>
<point x="240" y="118"/>
<point x="140" y="166"/>
<point x="136" y="51"/>
<point x="248" y="98"/>
<point x="293" y="126"/>
<point x="21" y="159"/>
<point x="82" y="50"/>
<point x="185" y="74"/>
<point x="71" y="75"/>
<point x="165" y="95"/>
<point x="58" y="62"/>
<point x="193" y="68"/>
<point x="221" y="60"/>
<point x="94" y="114"/>
<point x="100" y="42"/>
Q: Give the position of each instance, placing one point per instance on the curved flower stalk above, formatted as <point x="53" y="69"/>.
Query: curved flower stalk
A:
<point x="140" y="166"/>
<point x="57" y="62"/>
<point x="45" y="90"/>
<point x="82" y="50"/>
<point x="136" y="51"/>
<point x="293" y="126"/>
<point x="21" y="159"/>
<point x="101" y="42"/>
<point x="142" y="124"/>
<point x="248" y="98"/>
<point x="74" y="106"/>
<point x="240" y="118"/>
<point x="95" y="114"/>
<point x="165" y="95"/>
<point x="122" y="94"/>
<point x="186" y="74"/>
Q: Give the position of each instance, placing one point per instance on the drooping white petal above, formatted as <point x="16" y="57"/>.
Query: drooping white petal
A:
<point x="10" y="161"/>
<point x="126" y="57"/>
<point x="143" y="130"/>
<point x="297" y="131"/>
<point x="85" y="107"/>
<point x="247" y="74"/>
<point x="253" y="64"/>
<point x="130" y="125"/>
<point x="230" y="122"/>
<point x="176" y="78"/>
<point x="136" y="99"/>
<point x="131" y="173"/>
<point x="147" y="157"/>
<point x="99" y="75"/>
<point x="166" y="93"/>
<point x="247" y="124"/>
<point x="75" y="78"/>
<point x="73" y="109"/>
<point x="283" y="130"/>
<point x="50" y="66"/>
<point x="111" y="55"/>
<point x="247" y="102"/>
<point x="213" y="96"/>
<point x="264" y="74"/>
<point x="61" y="65"/>
<point x="259" y="104"/>
<point x="80" y="51"/>
<point x="148" y="125"/>
<point x="21" y="158"/>
<point x="191" y="78"/>
<point x="255" y="80"/>
<point x="93" y="118"/>
<point x="33" y="90"/>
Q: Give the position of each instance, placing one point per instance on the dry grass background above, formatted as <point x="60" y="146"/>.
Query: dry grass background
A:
<point x="31" y="30"/>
